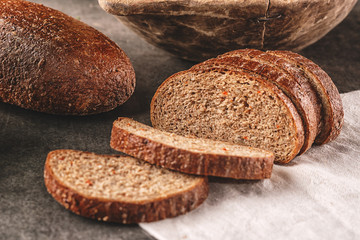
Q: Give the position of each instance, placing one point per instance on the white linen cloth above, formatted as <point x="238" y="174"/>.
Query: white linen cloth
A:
<point x="316" y="196"/>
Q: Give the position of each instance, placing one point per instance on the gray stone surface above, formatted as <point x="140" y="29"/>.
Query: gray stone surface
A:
<point x="27" y="211"/>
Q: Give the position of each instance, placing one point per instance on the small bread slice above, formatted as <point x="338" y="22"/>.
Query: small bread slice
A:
<point x="120" y="189"/>
<point x="189" y="154"/>
<point x="233" y="106"/>
<point x="332" y="108"/>
<point x="290" y="81"/>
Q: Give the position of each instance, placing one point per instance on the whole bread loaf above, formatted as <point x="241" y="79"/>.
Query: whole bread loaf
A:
<point x="189" y="154"/>
<point x="200" y="29"/>
<point x="120" y="189"/>
<point x="53" y="63"/>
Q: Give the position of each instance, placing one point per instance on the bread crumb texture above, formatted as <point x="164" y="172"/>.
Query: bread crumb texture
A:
<point x="224" y="105"/>
<point x="117" y="178"/>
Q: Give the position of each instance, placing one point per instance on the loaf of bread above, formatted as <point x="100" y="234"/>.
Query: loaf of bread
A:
<point x="279" y="101"/>
<point x="190" y="155"/>
<point x="53" y="63"/>
<point x="200" y="29"/>
<point x="120" y="189"/>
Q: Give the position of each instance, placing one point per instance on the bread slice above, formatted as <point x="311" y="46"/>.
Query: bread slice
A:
<point x="290" y="81"/>
<point x="120" y="189"/>
<point x="228" y="105"/>
<point x="332" y="109"/>
<point x="188" y="154"/>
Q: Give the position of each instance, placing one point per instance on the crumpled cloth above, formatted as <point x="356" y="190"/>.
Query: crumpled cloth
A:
<point x="316" y="196"/>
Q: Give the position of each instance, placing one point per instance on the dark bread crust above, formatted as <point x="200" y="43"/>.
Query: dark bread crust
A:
<point x="187" y="161"/>
<point x="289" y="86"/>
<point x="123" y="212"/>
<point x="328" y="93"/>
<point x="56" y="64"/>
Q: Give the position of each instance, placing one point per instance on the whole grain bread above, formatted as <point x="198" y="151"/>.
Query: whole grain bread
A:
<point x="229" y="105"/>
<point x="120" y="188"/>
<point x="328" y="94"/>
<point x="190" y="154"/>
<point x="290" y="80"/>
<point x="53" y="63"/>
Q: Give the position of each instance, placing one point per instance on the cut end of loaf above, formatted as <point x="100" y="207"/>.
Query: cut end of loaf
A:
<point x="120" y="189"/>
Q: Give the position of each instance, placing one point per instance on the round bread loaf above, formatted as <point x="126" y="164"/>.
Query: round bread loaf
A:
<point x="201" y="29"/>
<point x="53" y="63"/>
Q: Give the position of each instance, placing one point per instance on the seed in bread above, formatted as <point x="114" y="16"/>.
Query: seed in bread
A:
<point x="189" y="154"/>
<point x="120" y="189"/>
<point x="53" y="63"/>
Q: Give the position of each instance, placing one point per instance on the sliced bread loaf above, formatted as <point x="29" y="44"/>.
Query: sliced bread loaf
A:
<point x="189" y="154"/>
<point x="332" y="109"/>
<point x="290" y="80"/>
<point x="120" y="189"/>
<point x="234" y="106"/>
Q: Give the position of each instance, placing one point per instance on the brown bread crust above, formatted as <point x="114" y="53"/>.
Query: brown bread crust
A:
<point x="123" y="212"/>
<point x="188" y="161"/>
<point x="334" y="119"/>
<point x="283" y="81"/>
<point x="56" y="64"/>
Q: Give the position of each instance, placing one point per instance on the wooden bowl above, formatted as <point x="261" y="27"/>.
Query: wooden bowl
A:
<point x="200" y="29"/>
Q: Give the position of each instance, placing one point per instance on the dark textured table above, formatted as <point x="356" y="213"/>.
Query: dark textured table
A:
<point x="27" y="211"/>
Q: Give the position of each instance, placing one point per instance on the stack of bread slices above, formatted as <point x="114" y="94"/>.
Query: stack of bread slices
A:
<point x="275" y="100"/>
<point x="231" y="117"/>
